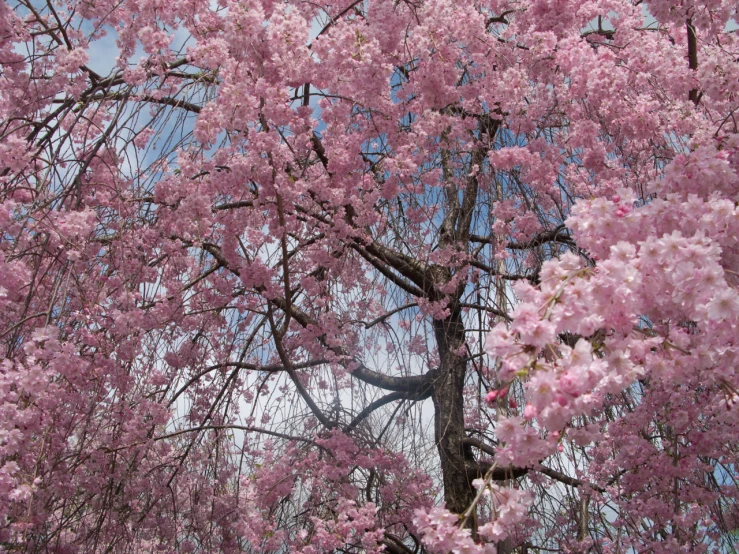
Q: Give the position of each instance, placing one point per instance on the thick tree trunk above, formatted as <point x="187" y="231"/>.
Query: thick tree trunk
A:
<point x="448" y="383"/>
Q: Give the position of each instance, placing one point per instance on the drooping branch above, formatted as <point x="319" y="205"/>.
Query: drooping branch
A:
<point x="410" y="384"/>
<point x="555" y="235"/>
<point x="387" y="315"/>
<point x="244" y="428"/>
<point x="245" y="366"/>
<point x="422" y="393"/>
<point x="277" y="335"/>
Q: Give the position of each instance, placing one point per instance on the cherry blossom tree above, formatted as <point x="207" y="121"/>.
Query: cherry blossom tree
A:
<point x="369" y="276"/>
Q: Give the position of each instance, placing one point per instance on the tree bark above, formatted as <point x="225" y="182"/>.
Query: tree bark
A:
<point x="447" y="388"/>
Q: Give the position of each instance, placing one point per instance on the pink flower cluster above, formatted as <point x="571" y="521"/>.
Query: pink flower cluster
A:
<point x="444" y="531"/>
<point x="659" y="307"/>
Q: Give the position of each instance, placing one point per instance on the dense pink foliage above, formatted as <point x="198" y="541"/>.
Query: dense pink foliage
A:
<point x="290" y="276"/>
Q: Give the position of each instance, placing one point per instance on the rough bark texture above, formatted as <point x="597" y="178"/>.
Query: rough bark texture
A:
<point x="448" y="384"/>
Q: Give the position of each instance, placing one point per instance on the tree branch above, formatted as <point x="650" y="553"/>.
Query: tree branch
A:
<point x="393" y="396"/>
<point x="551" y="473"/>
<point x="555" y="235"/>
<point x="692" y="57"/>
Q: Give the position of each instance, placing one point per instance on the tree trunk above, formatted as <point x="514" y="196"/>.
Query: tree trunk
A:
<point x="448" y="383"/>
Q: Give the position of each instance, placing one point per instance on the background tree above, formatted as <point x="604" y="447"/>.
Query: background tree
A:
<point x="248" y="267"/>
